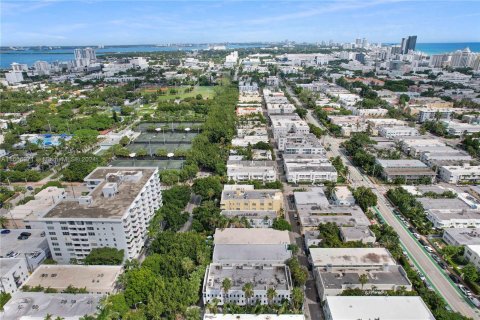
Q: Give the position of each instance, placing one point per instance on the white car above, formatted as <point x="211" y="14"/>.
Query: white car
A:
<point x="416" y="235"/>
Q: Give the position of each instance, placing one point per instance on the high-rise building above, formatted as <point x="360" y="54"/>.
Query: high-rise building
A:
<point x="116" y="213"/>
<point x="42" y="67"/>
<point x="408" y="44"/>
<point x="85" y="56"/>
<point x="439" y="60"/>
<point x="463" y="58"/>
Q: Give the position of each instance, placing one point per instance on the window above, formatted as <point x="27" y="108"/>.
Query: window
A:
<point x="50" y="228"/>
<point x="54" y="238"/>
<point x="52" y="233"/>
<point x="91" y="233"/>
<point x="58" y="254"/>
<point x="65" y="233"/>
<point x="64" y="228"/>
<point x="55" y="244"/>
<point x="56" y="249"/>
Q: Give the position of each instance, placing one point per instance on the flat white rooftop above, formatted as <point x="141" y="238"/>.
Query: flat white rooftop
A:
<point x="351" y="257"/>
<point x="378" y="307"/>
<point x="250" y="236"/>
<point x="209" y="316"/>
<point x="95" y="279"/>
<point x="37" y="305"/>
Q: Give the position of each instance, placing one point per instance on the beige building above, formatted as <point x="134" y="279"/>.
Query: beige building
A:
<point x="245" y="197"/>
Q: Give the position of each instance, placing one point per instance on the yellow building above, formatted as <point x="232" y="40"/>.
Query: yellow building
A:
<point x="245" y="197"/>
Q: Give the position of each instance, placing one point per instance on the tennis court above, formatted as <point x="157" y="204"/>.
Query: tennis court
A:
<point x="166" y="137"/>
<point x="161" y="164"/>
<point x="169" y="147"/>
<point x="143" y="127"/>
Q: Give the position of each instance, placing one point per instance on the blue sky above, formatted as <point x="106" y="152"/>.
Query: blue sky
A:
<point x="90" y="22"/>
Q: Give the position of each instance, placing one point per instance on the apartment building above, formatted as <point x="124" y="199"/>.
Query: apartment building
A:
<point x="284" y="124"/>
<point x="95" y="279"/>
<point x="461" y="129"/>
<point x="244" y="170"/>
<point x="409" y="170"/>
<point x="244" y="197"/>
<point x="370" y="113"/>
<point x="472" y="254"/>
<point x="459" y="174"/>
<point x="254" y="256"/>
<point x="461" y="236"/>
<point x="116" y="213"/>
<point x="397" y="131"/>
<point x="13" y="273"/>
<point x="428" y="114"/>
<point x="300" y="144"/>
<point x="338" y="269"/>
<point x="376" y="307"/>
<point x="25" y="216"/>
<point x="280" y="108"/>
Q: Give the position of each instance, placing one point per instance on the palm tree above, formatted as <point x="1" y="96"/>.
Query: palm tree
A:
<point x="271" y="294"/>
<point x="248" y="291"/>
<point x="3" y="222"/>
<point x="363" y="278"/>
<point x="226" y="286"/>
<point x="212" y="306"/>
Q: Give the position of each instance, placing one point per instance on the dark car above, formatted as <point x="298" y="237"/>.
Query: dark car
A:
<point x="422" y="242"/>
<point x="454" y="278"/>
<point x="443" y="265"/>
<point x="24" y="236"/>
<point x="30" y="188"/>
<point x="5" y="231"/>
<point x="411" y="229"/>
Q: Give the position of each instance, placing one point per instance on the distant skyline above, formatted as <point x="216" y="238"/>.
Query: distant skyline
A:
<point x="110" y="22"/>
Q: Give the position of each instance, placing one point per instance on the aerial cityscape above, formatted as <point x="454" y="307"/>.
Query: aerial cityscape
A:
<point x="239" y="160"/>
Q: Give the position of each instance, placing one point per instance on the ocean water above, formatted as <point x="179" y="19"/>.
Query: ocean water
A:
<point x="439" y="48"/>
<point x="29" y="56"/>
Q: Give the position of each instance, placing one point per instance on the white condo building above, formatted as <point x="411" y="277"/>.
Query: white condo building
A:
<point x="116" y="213"/>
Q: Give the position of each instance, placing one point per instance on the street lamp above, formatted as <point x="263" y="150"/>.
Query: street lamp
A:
<point x="132" y="155"/>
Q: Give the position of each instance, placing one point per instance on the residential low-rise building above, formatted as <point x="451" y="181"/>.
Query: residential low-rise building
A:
<point x="291" y="123"/>
<point x="370" y="113"/>
<point x="362" y="234"/>
<point x="342" y="196"/>
<point x="244" y="197"/>
<point x="95" y="279"/>
<point x="25" y="216"/>
<point x="250" y="236"/>
<point x="397" y="131"/>
<point x="33" y="247"/>
<point x="376" y="307"/>
<point x="472" y="254"/>
<point x="254" y="218"/>
<point x="428" y="114"/>
<point x="461" y="236"/>
<point x="408" y="170"/>
<point x="280" y="108"/>
<point x="277" y="277"/>
<point x="40" y="305"/>
<point x="456" y="174"/>
<point x="454" y="218"/>
<point x="308" y="168"/>
<point x="300" y="144"/>
<point x="244" y="170"/>
<point x="13" y="273"/>
<point x="333" y="283"/>
<point x="461" y="129"/>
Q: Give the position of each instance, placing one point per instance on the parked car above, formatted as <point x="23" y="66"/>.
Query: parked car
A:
<point x="5" y="231"/>
<point x="475" y="301"/>
<point x="24" y="236"/>
<point x="416" y="235"/>
<point x="30" y="188"/>
<point x="422" y="242"/>
<point x="454" y="278"/>
<point x="443" y="265"/>
<point x="428" y="248"/>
